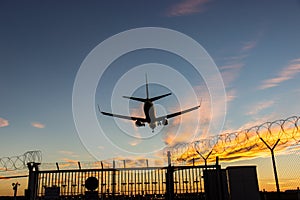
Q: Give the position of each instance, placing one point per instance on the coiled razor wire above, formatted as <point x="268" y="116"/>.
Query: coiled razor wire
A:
<point x="20" y="162"/>
<point x="252" y="142"/>
<point x="247" y="143"/>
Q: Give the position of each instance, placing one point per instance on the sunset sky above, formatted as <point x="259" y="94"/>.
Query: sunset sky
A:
<point x="254" y="46"/>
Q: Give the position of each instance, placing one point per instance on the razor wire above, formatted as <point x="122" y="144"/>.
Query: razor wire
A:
<point x="20" y="162"/>
<point x="250" y="142"/>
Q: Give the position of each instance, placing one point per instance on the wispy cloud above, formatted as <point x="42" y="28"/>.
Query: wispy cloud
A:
<point x="188" y="7"/>
<point x="3" y="122"/>
<point x="230" y="72"/>
<point x="257" y="120"/>
<point x="249" y="45"/>
<point x="101" y="147"/>
<point x="70" y="160"/>
<point x="230" y="95"/>
<point x="259" y="107"/>
<point x="186" y="128"/>
<point x="287" y="73"/>
<point x="37" y="125"/>
<point x="68" y="153"/>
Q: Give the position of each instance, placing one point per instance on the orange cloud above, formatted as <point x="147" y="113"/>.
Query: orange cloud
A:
<point x="70" y="160"/>
<point x="182" y="129"/>
<point x="188" y="7"/>
<point x="3" y="122"/>
<point x="68" y="153"/>
<point x="37" y="125"/>
<point x="68" y="164"/>
<point x="287" y="73"/>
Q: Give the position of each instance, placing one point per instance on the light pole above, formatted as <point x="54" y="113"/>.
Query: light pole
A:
<point x="15" y="188"/>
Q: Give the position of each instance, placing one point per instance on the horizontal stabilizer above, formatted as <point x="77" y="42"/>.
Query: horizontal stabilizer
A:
<point x="159" y="97"/>
<point x="136" y="98"/>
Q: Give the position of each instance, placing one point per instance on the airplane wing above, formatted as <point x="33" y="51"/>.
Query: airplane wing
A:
<point x="123" y="116"/>
<point x="177" y="113"/>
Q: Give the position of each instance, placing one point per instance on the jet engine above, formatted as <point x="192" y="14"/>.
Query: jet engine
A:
<point x="139" y="123"/>
<point x="165" y="122"/>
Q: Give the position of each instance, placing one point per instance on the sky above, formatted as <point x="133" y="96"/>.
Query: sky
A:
<point x="253" y="45"/>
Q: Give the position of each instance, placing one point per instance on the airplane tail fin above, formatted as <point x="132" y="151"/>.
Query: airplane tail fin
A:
<point x="147" y="95"/>
<point x="147" y="89"/>
<point x="141" y="99"/>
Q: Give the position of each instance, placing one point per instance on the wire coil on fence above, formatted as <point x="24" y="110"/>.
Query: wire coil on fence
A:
<point x="20" y="162"/>
<point x="251" y="142"/>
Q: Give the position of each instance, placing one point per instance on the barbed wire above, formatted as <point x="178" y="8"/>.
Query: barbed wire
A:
<point x="251" y="142"/>
<point x="20" y="162"/>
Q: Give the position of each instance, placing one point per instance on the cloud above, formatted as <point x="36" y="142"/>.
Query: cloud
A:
<point x="67" y="163"/>
<point x="287" y="73"/>
<point x="183" y="128"/>
<point x="3" y="122"/>
<point x="134" y="142"/>
<point x="245" y="143"/>
<point x="231" y="95"/>
<point x="198" y="123"/>
<point x="249" y="45"/>
<point x="240" y="146"/>
<point x="230" y="72"/>
<point x="233" y="64"/>
<point x="258" y="120"/>
<point x="187" y="7"/>
<point x="37" y="125"/>
<point x="70" y="160"/>
<point x="68" y="153"/>
<point x="260" y="106"/>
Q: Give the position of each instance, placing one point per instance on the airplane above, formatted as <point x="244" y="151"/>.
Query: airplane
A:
<point x="149" y="111"/>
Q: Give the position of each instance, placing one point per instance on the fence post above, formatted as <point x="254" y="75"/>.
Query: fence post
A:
<point x="114" y="179"/>
<point x="32" y="180"/>
<point x="219" y="180"/>
<point x="169" y="179"/>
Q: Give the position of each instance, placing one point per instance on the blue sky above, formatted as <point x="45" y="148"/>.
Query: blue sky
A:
<point x="255" y="45"/>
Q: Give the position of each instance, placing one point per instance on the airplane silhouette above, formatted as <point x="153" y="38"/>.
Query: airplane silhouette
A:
<point x="149" y="111"/>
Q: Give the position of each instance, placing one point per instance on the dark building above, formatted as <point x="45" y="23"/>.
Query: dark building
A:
<point x="242" y="183"/>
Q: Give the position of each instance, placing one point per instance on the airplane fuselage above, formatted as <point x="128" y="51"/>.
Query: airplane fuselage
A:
<point x="150" y="114"/>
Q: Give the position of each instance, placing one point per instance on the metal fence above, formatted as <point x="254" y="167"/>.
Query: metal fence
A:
<point x="125" y="182"/>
